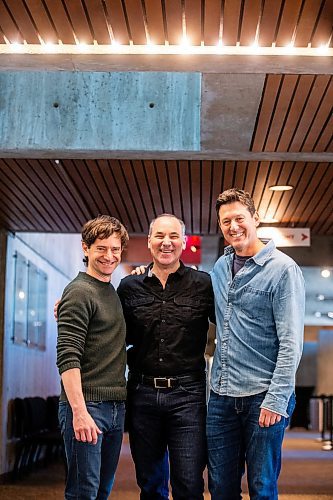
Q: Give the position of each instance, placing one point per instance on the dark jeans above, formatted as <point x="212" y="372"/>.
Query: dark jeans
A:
<point x="172" y="420"/>
<point x="91" y="468"/>
<point x="234" y="438"/>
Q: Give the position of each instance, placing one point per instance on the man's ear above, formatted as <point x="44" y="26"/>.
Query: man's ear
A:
<point x="84" y="248"/>
<point x="184" y="243"/>
<point x="256" y="218"/>
<point x="148" y="242"/>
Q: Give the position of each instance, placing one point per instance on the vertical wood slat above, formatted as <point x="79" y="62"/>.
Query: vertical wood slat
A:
<point x="153" y="183"/>
<point x="307" y="22"/>
<point x="23" y="21"/>
<point x="217" y="188"/>
<point x="207" y="202"/>
<point x="297" y="109"/>
<point x="185" y="193"/>
<point x="231" y="21"/>
<point x="73" y="170"/>
<point x="59" y="203"/>
<point x="155" y="22"/>
<point x="323" y="30"/>
<point x="317" y="92"/>
<point x="288" y="22"/>
<point x="136" y="21"/>
<point x="174" y="21"/>
<point x="8" y="26"/>
<point x="172" y="198"/>
<point x="281" y="111"/>
<point x="79" y="21"/>
<point x="314" y="187"/>
<point x="323" y="113"/>
<point x="193" y="20"/>
<point x="269" y="22"/>
<point x="61" y="21"/>
<point x="195" y="187"/>
<point x="212" y="22"/>
<point x="42" y="21"/>
<point x="98" y="21"/>
<point x="269" y="97"/>
<point x="250" y="21"/>
<point x="117" y="19"/>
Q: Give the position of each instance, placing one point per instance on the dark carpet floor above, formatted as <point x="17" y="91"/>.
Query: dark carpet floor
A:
<point x="307" y="473"/>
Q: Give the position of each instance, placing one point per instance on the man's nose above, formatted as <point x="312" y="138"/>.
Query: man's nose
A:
<point x="166" y="240"/>
<point x="233" y="225"/>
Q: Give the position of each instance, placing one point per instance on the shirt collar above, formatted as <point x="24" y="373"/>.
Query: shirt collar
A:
<point x="260" y="257"/>
<point x="149" y="274"/>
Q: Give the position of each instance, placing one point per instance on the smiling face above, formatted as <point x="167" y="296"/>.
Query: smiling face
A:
<point x="166" y="242"/>
<point x="239" y="228"/>
<point x="104" y="255"/>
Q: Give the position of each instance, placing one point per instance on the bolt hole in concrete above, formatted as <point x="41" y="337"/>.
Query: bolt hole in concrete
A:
<point x="56" y="105"/>
<point x="151" y="105"/>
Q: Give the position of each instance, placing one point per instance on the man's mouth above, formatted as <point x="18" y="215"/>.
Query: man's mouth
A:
<point x="237" y="235"/>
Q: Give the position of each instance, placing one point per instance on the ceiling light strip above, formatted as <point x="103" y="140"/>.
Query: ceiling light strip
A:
<point x="132" y="49"/>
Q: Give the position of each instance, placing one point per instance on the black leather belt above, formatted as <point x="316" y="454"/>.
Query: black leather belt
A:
<point x="165" y="382"/>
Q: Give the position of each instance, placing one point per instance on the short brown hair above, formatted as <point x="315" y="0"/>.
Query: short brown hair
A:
<point x="232" y="195"/>
<point x="103" y="227"/>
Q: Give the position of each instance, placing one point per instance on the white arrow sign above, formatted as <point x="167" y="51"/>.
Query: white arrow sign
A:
<point x="286" y="236"/>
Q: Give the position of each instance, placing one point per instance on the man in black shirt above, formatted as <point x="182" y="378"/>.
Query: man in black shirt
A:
<point x="167" y="311"/>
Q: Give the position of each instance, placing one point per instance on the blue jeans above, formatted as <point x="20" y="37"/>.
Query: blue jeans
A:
<point x="91" y="468"/>
<point x="234" y="439"/>
<point x="173" y="421"/>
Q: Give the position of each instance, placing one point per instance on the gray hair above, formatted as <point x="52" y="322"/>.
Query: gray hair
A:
<point x="183" y="229"/>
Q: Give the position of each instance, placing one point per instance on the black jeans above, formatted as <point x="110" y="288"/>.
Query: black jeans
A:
<point x="163" y="421"/>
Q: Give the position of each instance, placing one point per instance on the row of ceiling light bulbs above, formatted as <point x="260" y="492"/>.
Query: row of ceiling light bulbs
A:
<point x="184" y="46"/>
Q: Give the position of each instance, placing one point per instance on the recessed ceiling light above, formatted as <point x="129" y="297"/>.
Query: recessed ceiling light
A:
<point x="317" y="314"/>
<point x="326" y="273"/>
<point x="321" y="297"/>
<point x="281" y="187"/>
<point x="330" y="314"/>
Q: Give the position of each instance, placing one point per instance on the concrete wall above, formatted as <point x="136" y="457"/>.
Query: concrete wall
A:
<point x="325" y="365"/>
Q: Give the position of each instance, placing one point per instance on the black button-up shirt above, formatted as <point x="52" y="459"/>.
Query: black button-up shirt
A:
<point x="167" y="328"/>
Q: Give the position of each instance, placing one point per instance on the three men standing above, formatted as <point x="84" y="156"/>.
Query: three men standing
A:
<point x="259" y="300"/>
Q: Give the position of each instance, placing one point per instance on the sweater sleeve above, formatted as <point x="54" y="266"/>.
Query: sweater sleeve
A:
<point x="74" y="313"/>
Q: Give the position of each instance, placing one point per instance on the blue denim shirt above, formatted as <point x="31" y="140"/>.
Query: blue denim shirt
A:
<point x="260" y="321"/>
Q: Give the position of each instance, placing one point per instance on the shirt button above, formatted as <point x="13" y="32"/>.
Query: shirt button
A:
<point x="161" y="359"/>
<point x="163" y="302"/>
<point x="163" y="320"/>
<point x="162" y="340"/>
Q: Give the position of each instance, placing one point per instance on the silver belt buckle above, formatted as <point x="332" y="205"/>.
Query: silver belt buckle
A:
<point x="157" y="381"/>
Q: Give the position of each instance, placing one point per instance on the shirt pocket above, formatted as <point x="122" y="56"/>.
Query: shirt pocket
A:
<point x="140" y="309"/>
<point x="256" y="304"/>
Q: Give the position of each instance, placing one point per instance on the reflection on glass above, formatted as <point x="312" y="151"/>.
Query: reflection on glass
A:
<point x="20" y="299"/>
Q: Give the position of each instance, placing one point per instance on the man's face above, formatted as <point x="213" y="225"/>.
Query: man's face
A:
<point x="103" y="257"/>
<point x="239" y="228"/>
<point x="166" y="241"/>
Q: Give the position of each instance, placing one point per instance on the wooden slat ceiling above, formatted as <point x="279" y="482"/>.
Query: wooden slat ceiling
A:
<point x="41" y="195"/>
<point x="278" y="22"/>
<point x="295" y="116"/>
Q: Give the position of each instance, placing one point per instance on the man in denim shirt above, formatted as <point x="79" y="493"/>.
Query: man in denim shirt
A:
<point x="259" y="302"/>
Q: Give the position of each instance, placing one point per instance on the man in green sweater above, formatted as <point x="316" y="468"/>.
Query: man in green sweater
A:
<point x="91" y="358"/>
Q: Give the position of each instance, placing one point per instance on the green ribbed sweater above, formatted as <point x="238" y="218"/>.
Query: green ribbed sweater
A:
<point x="91" y="337"/>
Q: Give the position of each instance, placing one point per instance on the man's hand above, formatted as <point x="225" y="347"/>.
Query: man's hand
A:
<point x="55" y="310"/>
<point x="85" y="428"/>
<point x="268" y="418"/>
<point x="139" y="270"/>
